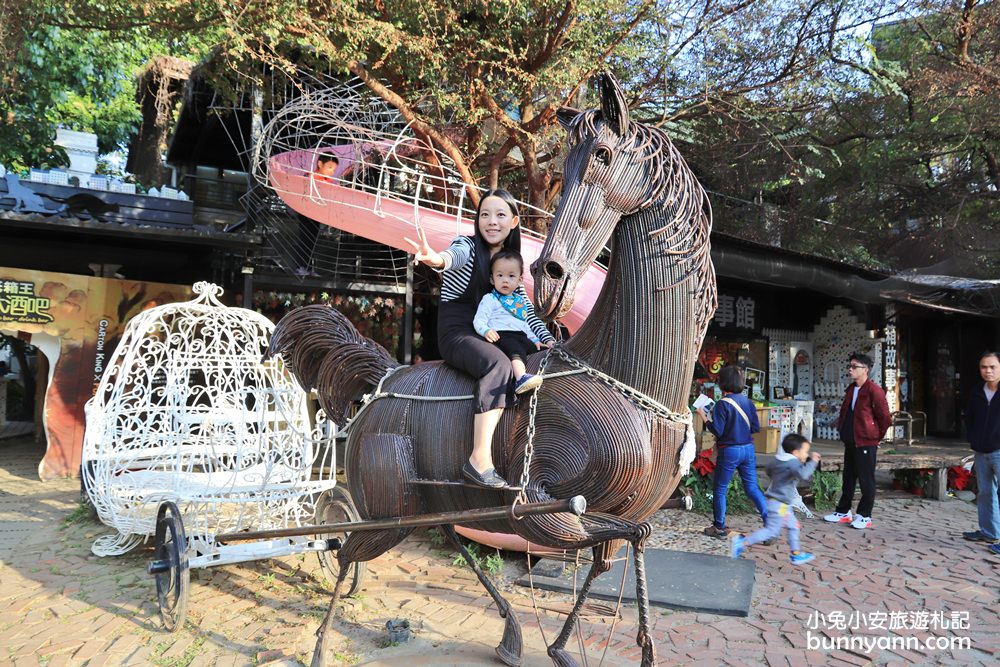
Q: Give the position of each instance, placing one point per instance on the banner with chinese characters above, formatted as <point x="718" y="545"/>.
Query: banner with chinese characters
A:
<point x="76" y="321"/>
<point x="736" y="313"/>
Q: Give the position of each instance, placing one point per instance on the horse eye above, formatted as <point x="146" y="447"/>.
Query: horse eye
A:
<point x="603" y="155"/>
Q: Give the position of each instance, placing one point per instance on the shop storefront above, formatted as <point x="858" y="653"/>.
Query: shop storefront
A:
<point x="74" y="323"/>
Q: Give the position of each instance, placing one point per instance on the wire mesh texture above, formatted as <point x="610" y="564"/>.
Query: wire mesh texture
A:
<point x="186" y="411"/>
<point x="377" y="153"/>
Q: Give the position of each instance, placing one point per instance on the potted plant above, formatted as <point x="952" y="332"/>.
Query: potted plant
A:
<point x="921" y="481"/>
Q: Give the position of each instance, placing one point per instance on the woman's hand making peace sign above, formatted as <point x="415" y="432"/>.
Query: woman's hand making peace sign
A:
<point x="422" y="251"/>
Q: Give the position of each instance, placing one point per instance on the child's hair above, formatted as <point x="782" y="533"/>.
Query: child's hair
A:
<point x="731" y="379"/>
<point x="508" y="254"/>
<point x="327" y="157"/>
<point x="792" y="443"/>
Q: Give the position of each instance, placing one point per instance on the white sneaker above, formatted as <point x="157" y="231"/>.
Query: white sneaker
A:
<point x="861" y="522"/>
<point x="837" y="517"/>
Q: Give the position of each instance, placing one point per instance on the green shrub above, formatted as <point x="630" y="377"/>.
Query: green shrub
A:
<point x="826" y="488"/>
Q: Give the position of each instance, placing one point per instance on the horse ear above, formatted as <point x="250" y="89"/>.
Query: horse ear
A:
<point x="566" y="116"/>
<point x="614" y="109"/>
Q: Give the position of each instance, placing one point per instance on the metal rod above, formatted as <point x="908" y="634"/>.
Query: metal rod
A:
<point x="577" y="505"/>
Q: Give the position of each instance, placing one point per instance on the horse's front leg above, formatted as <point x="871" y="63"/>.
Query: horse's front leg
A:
<point x="614" y="530"/>
<point x="643" y="639"/>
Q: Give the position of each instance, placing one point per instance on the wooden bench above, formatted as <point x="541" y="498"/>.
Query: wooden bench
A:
<point x="937" y="462"/>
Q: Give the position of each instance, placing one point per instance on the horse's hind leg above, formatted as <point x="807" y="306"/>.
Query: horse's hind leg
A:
<point x="322" y="634"/>
<point x="359" y="546"/>
<point x="509" y="649"/>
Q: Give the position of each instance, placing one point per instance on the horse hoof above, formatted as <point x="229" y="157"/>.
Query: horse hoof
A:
<point x="561" y="658"/>
<point x="508" y="657"/>
<point x="511" y="643"/>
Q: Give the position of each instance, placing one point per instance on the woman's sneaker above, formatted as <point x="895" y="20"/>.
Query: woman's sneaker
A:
<point x="837" y="517"/>
<point x="978" y="536"/>
<point x="861" y="522"/>
<point x="801" y="558"/>
<point x="527" y="383"/>
<point x="718" y="533"/>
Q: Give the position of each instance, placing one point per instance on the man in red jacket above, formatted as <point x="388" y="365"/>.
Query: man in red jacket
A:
<point x="864" y="419"/>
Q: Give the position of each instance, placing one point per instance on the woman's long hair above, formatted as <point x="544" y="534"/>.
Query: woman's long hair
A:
<point x="512" y="242"/>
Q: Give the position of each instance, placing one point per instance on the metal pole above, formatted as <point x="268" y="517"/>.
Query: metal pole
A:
<point x="577" y="505"/>
<point x="248" y="286"/>
<point x="408" y="314"/>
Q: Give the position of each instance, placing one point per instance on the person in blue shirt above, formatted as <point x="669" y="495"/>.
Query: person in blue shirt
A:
<point x="733" y="422"/>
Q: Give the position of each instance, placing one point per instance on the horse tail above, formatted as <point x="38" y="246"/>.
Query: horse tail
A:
<point x="324" y="351"/>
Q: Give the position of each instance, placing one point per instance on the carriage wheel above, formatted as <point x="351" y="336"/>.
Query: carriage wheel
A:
<point x="335" y="506"/>
<point x="170" y="567"/>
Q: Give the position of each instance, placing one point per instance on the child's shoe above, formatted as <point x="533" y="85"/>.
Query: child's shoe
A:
<point x="527" y="383"/>
<point x="837" y="517"/>
<point x="801" y="557"/>
<point x="737" y="545"/>
<point x="861" y="522"/>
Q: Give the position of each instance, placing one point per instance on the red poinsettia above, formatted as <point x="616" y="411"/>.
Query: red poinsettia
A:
<point x="958" y="477"/>
<point x="703" y="463"/>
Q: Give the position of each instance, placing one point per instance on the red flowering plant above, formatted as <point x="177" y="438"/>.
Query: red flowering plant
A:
<point x="703" y="463"/>
<point x="699" y="485"/>
<point x="959" y="478"/>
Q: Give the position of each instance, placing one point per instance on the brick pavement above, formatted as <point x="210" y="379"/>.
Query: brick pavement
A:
<point x="60" y="605"/>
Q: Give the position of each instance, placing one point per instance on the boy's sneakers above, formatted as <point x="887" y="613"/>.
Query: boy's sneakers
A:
<point x="527" y="383"/>
<point x="720" y="533"/>
<point x="801" y="558"/>
<point x="995" y="548"/>
<point x="837" y="517"/>
<point x="861" y="522"/>
<point x="737" y="545"/>
<point x="978" y="536"/>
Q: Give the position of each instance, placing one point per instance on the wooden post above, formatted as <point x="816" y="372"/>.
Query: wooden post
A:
<point x="939" y="484"/>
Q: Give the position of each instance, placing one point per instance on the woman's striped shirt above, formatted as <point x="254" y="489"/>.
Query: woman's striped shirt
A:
<point x="459" y="263"/>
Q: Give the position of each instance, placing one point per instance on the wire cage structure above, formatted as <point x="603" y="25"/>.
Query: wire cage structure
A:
<point x="187" y="413"/>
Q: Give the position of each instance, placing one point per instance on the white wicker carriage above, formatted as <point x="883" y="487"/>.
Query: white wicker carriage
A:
<point x="191" y="434"/>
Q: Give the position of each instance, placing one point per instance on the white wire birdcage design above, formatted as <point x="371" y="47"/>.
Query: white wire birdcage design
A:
<point x="187" y="411"/>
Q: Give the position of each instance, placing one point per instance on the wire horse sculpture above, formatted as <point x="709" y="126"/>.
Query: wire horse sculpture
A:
<point x="611" y="423"/>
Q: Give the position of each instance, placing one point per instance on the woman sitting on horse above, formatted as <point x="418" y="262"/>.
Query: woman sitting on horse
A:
<point x="465" y="268"/>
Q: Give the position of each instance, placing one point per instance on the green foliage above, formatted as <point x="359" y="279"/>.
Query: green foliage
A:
<point x="491" y="563"/>
<point x="80" y="513"/>
<point x="78" y="79"/>
<point x="826" y="488"/>
<point x="701" y="493"/>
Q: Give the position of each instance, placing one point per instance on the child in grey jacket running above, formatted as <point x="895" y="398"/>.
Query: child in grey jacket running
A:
<point x="792" y="464"/>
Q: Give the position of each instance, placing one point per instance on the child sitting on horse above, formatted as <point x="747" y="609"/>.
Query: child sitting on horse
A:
<point x="792" y="464"/>
<point x="465" y="266"/>
<point x="502" y="318"/>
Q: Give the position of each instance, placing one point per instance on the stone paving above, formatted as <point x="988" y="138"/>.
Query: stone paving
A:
<point x="60" y="605"/>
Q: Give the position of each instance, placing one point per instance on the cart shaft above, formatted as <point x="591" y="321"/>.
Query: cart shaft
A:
<point x="577" y="505"/>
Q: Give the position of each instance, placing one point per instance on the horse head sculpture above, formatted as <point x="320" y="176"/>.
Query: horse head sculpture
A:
<point x="610" y="423"/>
